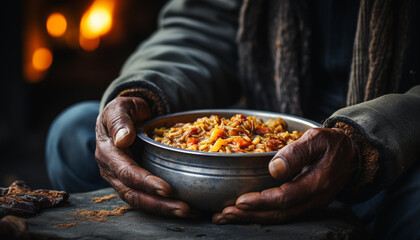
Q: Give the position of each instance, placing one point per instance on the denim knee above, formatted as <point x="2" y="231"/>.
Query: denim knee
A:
<point x="70" y="149"/>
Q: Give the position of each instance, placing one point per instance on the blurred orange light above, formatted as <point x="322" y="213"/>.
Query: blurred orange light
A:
<point x="42" y="59"/>
<point x="56" y="24"/>
<point x="97" y="20"/>
<point x="89" y="44"/>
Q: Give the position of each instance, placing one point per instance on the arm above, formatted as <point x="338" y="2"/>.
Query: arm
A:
<point x="391" y="125"/>
<point x="324" y="161"/>
<point x="190" y="62"/>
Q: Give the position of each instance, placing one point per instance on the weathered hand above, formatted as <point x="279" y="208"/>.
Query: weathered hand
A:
<point x="324" y="161"/>
<point x="115" y="133"/>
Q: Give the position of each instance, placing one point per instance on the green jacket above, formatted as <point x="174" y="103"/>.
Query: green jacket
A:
<point x="190" y="62"/>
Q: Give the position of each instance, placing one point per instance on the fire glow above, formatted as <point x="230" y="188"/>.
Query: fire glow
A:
<point x="97" y="20"/>
<point x="56" y="24"/>
<point x="67" y="28"/>
<point x="42" y="59"/>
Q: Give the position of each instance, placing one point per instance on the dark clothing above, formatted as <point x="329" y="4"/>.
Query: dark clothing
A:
<point x="332" y="48"/>
<point x="195" y="60"/>
<point x="191" y="62"/>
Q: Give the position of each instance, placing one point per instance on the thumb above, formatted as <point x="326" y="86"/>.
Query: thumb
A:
<point x="120" y="117"/>
<point x="293" y="157"/>
<point x="123" y="138"/>
<point x="121" y="129"/>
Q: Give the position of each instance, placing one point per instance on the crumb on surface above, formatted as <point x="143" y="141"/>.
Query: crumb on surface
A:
<point x="101" y="215"/>
<point x="66" y="225"/>
<point x="104" y="198"/>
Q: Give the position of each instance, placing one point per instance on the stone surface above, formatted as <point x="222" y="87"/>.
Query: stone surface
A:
<point x="333" y="224"/>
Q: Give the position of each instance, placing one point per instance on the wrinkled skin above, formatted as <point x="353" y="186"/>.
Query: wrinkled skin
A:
<point x="324" y="161"/>
<point x="115" y="133"/>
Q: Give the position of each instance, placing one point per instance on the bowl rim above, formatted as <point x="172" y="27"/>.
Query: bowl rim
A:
<point x="259" y="113"/>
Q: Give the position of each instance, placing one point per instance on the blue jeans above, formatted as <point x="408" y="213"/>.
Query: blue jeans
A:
<point x="70" y="150"/>
<point x="394" y="213"/>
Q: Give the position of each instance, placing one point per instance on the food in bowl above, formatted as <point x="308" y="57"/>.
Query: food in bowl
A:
<point x="238" y="134"/>
<point x="210" y="181"/>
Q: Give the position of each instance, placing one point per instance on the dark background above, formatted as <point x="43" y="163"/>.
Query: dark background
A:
<point x="28" y="107"/>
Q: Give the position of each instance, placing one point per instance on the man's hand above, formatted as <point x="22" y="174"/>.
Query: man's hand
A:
<point x="115" y="133"/>
<point x="324" y="161"/>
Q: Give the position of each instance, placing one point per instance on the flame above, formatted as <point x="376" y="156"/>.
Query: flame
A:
<point x="97" y="20"/>
<point x="56" y="24"/>
<point x="42" y="59"/>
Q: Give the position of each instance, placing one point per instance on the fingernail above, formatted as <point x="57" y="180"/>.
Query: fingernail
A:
<point x="229" y="216"/>
<point x="243" y="206"/>
<point x="162" y="193"/>
<point x="222" y="221"/>
<point x="178" y="213"/>
<point x="278" y="168"/>
<point x="120" y="134"/>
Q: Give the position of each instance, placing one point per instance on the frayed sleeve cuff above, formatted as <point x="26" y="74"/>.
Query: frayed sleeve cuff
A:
<point x="368" y="158"/>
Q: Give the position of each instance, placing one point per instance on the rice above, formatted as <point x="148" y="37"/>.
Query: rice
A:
<point x="239" y="134"/>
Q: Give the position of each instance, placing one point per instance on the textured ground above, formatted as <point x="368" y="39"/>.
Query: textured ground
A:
<point x="63" y="223"/>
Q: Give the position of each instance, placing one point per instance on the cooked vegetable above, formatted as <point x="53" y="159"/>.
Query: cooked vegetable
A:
<point x="239" y="134"/>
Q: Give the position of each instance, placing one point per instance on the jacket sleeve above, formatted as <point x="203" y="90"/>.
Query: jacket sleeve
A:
<point x="389" y="125"/>
<point x="189" y="62"/>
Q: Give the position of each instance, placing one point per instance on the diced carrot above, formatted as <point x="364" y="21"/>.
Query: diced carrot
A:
<point x="217" y="145"/>
<point x="241" y="142"/>
<point x="217" y="133"/>
<point x="193" y="140"/>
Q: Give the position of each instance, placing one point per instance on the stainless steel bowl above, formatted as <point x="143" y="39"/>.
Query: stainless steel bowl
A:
<point x="211" y="181"/>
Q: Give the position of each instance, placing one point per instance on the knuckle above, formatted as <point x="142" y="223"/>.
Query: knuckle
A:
<point x="100" y="160"/>
<point x="313" y="131"/>
<point x="159" y="209"/>
<point x="146" y="178"/>
<point x="145" y="182"/>
<point x="115" y="123"/>
<point x="127" y="196"/>
<point x="124" y="173"/>
<point x="104" y="174"/>
<point x="133" y="178"/>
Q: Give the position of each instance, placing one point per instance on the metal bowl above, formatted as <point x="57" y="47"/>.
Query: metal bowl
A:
<point x="211" y="181"/>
